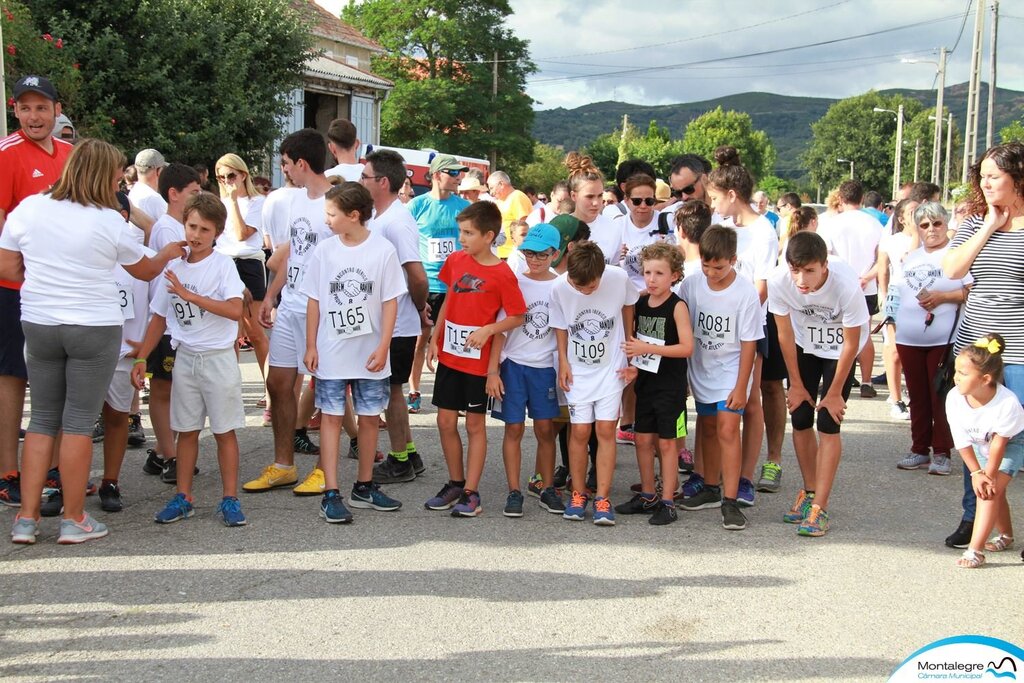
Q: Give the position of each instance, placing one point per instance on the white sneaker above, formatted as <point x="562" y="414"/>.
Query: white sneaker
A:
<point x="914" y="461"/>
<point x="899" y="411"/>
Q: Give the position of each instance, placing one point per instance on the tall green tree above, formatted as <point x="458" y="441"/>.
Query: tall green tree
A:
<point x="546" y="168"/>
<point x="192" y="78"/>
<point x="1012" y="133"/>
<point x="712" y="129"/>
<point x="440" y="55"/>
<point x="654" y="146"/>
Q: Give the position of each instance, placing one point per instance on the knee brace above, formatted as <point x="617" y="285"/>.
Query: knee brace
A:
<point x="803" y="417"/>
<point x="826" y="425"/>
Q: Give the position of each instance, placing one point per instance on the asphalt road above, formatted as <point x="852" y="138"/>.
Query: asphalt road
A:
<point x="418" y="595"/>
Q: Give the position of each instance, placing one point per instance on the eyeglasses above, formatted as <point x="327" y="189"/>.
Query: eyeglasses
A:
<point x="229" y="178"/>
<point x="689" y="189"/>
<point x="363" y="176"/>
<point x="935" y="224"/>
<point x="649" y="201"/>
<point x="536" y="255"/>
<point x="453" y="172"/>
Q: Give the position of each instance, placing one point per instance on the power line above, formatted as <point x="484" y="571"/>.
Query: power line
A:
<point x="756" y="66"/>
<point x="967" y="13"/>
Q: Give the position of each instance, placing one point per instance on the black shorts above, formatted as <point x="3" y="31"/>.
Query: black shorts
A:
<point x="402" y="351"/>
<point x="773" y="368"/>
<point x="457" y="390"/>
<point x="815" y="371"/>
<point x="872" y="301"/>
<point x="254" y="276"/>
<point x="160" y="363"/>
<point x="658" y="412"/>
<point x="12" y="339"/>
<point x="436" y="300"/>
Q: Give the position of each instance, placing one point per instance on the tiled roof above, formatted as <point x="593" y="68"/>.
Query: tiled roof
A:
<point x="331" y="27"/>
<point x="334" y="70"/>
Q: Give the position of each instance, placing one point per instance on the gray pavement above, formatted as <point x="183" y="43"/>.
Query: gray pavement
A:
<point x="418" y="595"/>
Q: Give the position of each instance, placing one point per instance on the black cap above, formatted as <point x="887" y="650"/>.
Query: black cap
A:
<point x="39" y="84"/>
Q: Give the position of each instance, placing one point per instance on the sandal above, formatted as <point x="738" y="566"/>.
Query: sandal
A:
<point x="999" y="543"/>
<point x="971" y="559"/>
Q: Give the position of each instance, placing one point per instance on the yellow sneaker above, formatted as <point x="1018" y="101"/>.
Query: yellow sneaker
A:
<point x="313" y="485"/>
<point x="272" y="477"/>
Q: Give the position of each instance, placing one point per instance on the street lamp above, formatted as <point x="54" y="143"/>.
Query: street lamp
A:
<point x="847" y="161"/>
<point x="936" y="143"/>
<point x="899" y="146"/>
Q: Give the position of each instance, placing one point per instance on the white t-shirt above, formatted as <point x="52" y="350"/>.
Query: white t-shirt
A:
<point x="398" y="226"/>
<point x="533" y="343"/>
<point x="922" y="270"/>
<point x="516" y="262"/>
<point x="133" y="297"/>
<point x="594" y="325"/>
<point x="164" y="231"/>
<point x="69" y="251"/>
<point x="721" y="322"/>
<point x="189" y="324"/>
<point x="716" y="218"/>
<point x="542" y="213"/>
<point x="275" y="215"/>
<point x="895" y="247"/>
<point x="853" y="236"/>
<point x="757" y="250"/>
<point x="351" y="285"/>
<point x="251" y="209"/>
<point x="306" y="229"/>
<point x="818" y="318"/>
<point x="635" y="239"/>
<point x="607" y="234"/>
<point x="975" y="427"/>
<point x="350" y="172"/>
<point x="613" y="211"/>
<point x="147" y="199"/>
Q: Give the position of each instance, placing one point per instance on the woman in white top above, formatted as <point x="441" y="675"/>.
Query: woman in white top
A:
<point x="586" y="188"/>
<point x="64" y="246"/>
<point x="242" y="240"/>
<point x="892" y="249"/>
<point x="640" y="226"/>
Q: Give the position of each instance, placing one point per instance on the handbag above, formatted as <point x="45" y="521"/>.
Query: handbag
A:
<point x="943" y="379"/>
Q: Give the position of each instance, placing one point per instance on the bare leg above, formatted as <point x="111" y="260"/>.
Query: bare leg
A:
<point x="774" y="400"/>
<point x="866" y="358"/>
<point x="753" y="424"/>
<point x="188" y="454"/>
<point x="369" y="427"/>
<point x="281" y="385"/>
<point x="75" y="460"/>
<point x="669" y="469"/>
<point x="12" y="404"/>
<point x="160" y="416"/>
<point x="330" y="434"/>
<point x="805" y="443"/>
<point x="398" y="420"/>
<point x="512" y="453"/>
<point x="729" y="451"/>
<point x="605" y="456"/>
<point x="476" y="430"/>
<point x="227" y="458"/>
<point x="115" y="441"/>
<point x="451" y="442"/>
<point x="645" y="461"/>
<point x="579" y="456"/>
<point x="830" y="450"/>
<point x="544" y="431"/>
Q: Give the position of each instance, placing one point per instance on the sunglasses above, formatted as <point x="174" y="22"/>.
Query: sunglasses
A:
<point x="689" y="189"/>
<point x="926" y="224"/>
<point x="453" y="172"/>
<point x="536" y="255"/>
<point x="229" y="178"/>
<point x="649" y="201"/>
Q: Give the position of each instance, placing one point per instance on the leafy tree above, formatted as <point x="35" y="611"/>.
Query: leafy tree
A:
<point x="546" y="169"/>
<point x="775" y="186"/>
<point x="1012" y="133"/>
<point x="192" y="78"/>
<point x="655" y="147"/>
<point x="715" y="128"/>
<point x="440" y="56"/>
<point x="604" y="150"/>
<point x="852" y="130"/>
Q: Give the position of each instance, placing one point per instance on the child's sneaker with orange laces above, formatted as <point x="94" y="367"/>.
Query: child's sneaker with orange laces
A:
<point x="577" y="507"/>
<point x="815" y="524"/>
<point x="603" y="513"/>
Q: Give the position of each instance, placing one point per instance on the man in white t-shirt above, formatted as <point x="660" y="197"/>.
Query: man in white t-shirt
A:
<point x="383" y="176"/>
<point x="302" y="159"/>
<point x="687" y="179"/>
<point x="344" y="147"/>
<point x="853" y="236"/>
<point x="145" y="194"/>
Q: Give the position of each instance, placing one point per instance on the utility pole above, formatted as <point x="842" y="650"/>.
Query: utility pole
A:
<point x="949" y="154"/>
<point x="494" y="111"/>
<point x="917" y="156"/>
<point x="973" y="94"/>
<point x="990" y="123"/>
<point x="896" y="180"/>
<point x="937" y="142"/>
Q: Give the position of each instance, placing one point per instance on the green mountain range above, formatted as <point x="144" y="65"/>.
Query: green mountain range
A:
<point x="787" y="120"/>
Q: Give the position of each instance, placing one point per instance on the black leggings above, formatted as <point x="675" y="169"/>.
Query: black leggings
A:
<point x="815" y="371"/>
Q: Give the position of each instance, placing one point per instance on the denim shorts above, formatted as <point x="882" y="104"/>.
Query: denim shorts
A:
<point x="709" y="409"/>
<point x="526" y="387"/>
<point x="369" y="396"/>
<point x="1013" y="457"/>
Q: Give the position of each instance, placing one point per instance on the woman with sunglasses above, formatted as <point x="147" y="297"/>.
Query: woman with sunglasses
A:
<point x="892" y="250"/>
<point x="928" y="302"/>
<point x="640" y="226"/>
<point x="242" y="240"/>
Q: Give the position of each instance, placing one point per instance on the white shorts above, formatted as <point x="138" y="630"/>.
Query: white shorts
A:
<point x="121" y="391"/>
<point x="207" y="384"/>
<point x="288" y="341"/>
<point x="605" y="408"/>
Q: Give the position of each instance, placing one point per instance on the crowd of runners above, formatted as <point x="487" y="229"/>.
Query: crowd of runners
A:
<point x="596" y="310"/>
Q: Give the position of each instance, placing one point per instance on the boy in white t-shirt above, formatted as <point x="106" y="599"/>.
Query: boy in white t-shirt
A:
<point x="200" y="307"/>
<point x="352" y="282"/>
<point x="592" y="311"/>
<point x="823" y="323"/>
<point x="725" y="312"/>
<point x="527" y="372"/>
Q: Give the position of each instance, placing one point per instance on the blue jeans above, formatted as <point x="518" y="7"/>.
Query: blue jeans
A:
<point x="1013" y="378"/>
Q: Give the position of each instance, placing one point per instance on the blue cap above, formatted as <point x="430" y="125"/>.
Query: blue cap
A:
<point x="542" y="237"/>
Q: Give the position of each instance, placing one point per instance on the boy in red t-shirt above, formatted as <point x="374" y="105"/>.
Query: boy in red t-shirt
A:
<point x="479" y="286"/>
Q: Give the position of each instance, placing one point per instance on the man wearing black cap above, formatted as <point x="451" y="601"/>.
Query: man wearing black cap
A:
<point x="31" y="161"/>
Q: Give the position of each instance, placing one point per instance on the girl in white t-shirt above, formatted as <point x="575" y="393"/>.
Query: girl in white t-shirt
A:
<point x="586" y="188"/>
<point x="892" y="249"/>
<point x="987" y="421"/>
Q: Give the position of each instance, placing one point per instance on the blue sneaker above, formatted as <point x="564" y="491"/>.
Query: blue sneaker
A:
<point x="230" y="511"/>
<point x="745" y="496"/>
<point x="603" y="513"/>
<point x="177" y="508"/>
<point x="372" y="499"/>
<point x="445" y="498"/>
<point x="468" y="505"/>
<point x="577" y="508"/>
<point x="10" y="490"/>
<point x="332" y="508"/>
<point x="25" y="530"/>
<point x="693" y="485"/>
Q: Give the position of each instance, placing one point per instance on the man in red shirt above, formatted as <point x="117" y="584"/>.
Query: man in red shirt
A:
<point x="31" y="161"/>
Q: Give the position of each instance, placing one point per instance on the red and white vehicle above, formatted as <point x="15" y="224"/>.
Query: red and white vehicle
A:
<point x="417" y="164"/>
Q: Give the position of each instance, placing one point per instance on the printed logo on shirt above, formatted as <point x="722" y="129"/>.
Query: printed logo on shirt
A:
<point x="651" y="326"/>
<point x="469" y="284"/>
<point x="303" y="236"/>
<point x="349" y="285"/>
<point x="922" y="276"/>
<point x="825" y="314"/>
<point x="592" y="325"/>
<point x="536" y="324"/>
<point x="36" y="173"/>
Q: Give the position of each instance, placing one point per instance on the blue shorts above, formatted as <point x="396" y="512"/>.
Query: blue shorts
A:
<point x="1013" y="457"/>
<point x="526" y="388"/>
<point x="369" y="396"/>
<point x="709" y="409"/>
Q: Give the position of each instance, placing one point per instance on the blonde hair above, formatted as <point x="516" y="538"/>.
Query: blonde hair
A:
<point x="90" y="174"/>
<point x="581" y="170"/>
<point x="235" y="163"/>
<point x="832" y="201"/>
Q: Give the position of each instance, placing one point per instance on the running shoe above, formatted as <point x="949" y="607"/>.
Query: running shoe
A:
<point x="513" y="504"/>
<point x="393" y="471"/>
<point x="468" y="505"/>
<point x="314" y="422"/>
<point x="898" y="411"/>
<point x="603" y="513"/>
<point x="815" y="524"/>
<point x="302" y="444"/>
<point x="414" y="402"/>
<point x="560" y="478"/>
<point x="154" y="463"/>
<point x="110" y="497"/>
<point x="745" y="493"/>
<point x="445" y="498"/>
<point x="86" y="529"/>
<point x="708" y="497"/>
<point x="771" y="477"/>
<point x="10" y="490"/>
<point x="24" y="530"/>
<point x="867" y="391"/>
<point x="417" y="463"/>
<point x="913" y="461"/>
<point x="664" y="514"/>
<point x="801" y="507"/>
<point x="177" y="508"/>
<point x="535" y="486"/>
<point x="577" y="508"/>
<point x="53" y="503"/>
<point x="552" y="501"/>
<point x="638" y="505"/>
<point x="273" y="476"/>
<point x="940" y="465"/>
<point x="230" y="511"/>
<point x="961" y="538"/>
<point x="693" y="485"/>
<point x="732" y="517"/>
<point x="170" y="473"/>
<point x="625" y="436"/>
<point x="136" y="434"/>
<point x="312" y="485"/>
<point x="332" y="508"/>
<point x="372" y="499"/>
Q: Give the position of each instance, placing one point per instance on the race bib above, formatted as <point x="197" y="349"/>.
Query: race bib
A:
<point x="351" y="321"/>
<point x="126" y="299"/>
<point x="455" y="337"/>
<point x="440" y="248"/>
<point x="825" y="339"/>
<point x="187" y="314"/>
<point x="715" y="328"/>
<point x="294" y="276"/>
<point x="892" y="302"/>
<point x="649" y="361"/>
<point x="589" y="353"/>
